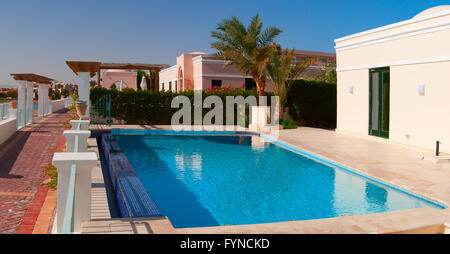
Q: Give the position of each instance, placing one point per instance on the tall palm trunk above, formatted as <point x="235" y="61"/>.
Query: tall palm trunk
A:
<point x="280" y="111"/>
<point x="260" y="84"/>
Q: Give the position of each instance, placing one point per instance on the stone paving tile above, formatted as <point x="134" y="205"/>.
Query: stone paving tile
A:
<point x="23" y="159"/>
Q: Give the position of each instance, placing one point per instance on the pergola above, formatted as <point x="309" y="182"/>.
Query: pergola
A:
<point x="26" y="83"/>
<point x="85" y="70"/>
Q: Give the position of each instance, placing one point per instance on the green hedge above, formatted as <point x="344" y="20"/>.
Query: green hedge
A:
<point x="149" y="107"/>
<point x="313" y="103"/>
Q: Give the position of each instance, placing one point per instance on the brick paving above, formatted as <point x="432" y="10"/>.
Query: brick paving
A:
<point x="23" y="159"/>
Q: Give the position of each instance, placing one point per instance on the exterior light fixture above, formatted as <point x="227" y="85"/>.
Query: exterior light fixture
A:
<point x="350" y="89"/>
<point x="421" y="89"/>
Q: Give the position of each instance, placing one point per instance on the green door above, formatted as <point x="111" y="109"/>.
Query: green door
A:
<point x="379" y="102"/>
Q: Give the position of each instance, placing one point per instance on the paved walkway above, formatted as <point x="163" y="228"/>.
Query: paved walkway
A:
<point x="23" y="159"/>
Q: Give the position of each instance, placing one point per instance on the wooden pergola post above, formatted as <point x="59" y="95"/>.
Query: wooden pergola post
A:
<point x="150" y="87"/>
<point x="98" y="79"/>
<point x="157" y="80"/>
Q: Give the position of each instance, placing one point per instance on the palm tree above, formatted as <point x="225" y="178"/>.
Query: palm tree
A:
<point x="283" y="70"/>
<point x="246" y="48"/>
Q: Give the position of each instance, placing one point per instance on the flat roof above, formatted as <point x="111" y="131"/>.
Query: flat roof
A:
<point x="314" y="53"/>
<point x="133" y="66"/>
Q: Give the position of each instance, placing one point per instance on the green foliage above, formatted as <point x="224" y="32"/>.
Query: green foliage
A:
<point x="52" y="172"/>
<point x="326" y="74"/>
<point x="65" y="92"/>
<point x="313" y="103"/>
<point x="56" y="95"/>
<point x="283" y="71"/>
<point x="288" y="124"/>
<point x="12" y="93"/>
<point x="247" y="48"/>
<point x="154" y="107"/>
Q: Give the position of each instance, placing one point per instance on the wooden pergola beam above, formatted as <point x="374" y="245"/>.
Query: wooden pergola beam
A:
<point x="31" y="77"/>
<point x="133" y="66"/>
<point x="94" y="68"/>
<point x="83" y="66"/>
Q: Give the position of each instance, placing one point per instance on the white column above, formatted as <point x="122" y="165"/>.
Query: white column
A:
<point x="29" y="102"/>
<point x="83" y="89"/>
<point x="21" y="94"/>
<point x="46" y="100"/>
<point x="40" y="101"/>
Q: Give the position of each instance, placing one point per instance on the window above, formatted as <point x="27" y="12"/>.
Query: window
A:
<point x="162" y="86"/>
<point x="216" y="83"/>
<point x="170" y="86"/>
<point x="176" y="86"/>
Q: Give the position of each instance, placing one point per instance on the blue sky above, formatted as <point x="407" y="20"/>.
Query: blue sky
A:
<point x="38" y="36"/>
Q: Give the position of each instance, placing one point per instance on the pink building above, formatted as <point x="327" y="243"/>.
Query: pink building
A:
<point x="200" y="71"/>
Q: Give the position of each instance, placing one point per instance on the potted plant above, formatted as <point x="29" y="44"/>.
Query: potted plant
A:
<point x="81" y="107"/>
<point x="14" y="104"/>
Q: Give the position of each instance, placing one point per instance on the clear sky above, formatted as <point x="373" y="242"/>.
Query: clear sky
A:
<point x="38" y="36"/>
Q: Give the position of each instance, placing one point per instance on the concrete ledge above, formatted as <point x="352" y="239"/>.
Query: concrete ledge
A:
<point x="7" y="128"/>
<point x="83" y="158"/>
<point x="82" y="133"/>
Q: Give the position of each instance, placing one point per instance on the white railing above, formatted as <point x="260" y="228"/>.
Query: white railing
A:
<point x="67" y="227"/>
<point x="8" y="122"/>
<point x="74" y="179"/>
<point x="4" y="111"/>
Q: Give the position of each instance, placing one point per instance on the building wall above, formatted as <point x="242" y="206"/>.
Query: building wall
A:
<point x="417" y="53"/>
<point x="199" y="69"/>
<point x="127" y="77"/>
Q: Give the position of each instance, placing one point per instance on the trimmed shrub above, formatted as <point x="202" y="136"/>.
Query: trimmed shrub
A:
<point x="313" y="103"/>
<point x="154" y="107"/>
<point x="288" y="124"/>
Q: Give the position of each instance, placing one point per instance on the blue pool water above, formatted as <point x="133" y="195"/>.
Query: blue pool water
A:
<point x="215" y="180"/>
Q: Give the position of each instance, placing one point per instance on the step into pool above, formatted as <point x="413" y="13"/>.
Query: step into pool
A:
<point x="201" y="179"/>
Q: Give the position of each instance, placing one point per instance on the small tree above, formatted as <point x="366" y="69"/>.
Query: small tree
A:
<point x="246" y="48"/>
<point x="92" y="83"/>
<point x="283" y="71"/>
<point x="327" y="74"/>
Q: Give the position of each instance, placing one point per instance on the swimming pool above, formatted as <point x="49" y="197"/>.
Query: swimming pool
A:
<point x="198" y="180"/>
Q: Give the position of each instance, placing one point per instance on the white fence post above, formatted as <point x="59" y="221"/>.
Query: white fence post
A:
<point x="84" y="124"/>
<point x="84" y="162"/>
<point x="71" y="135"/>
<point x="74" y="179"/>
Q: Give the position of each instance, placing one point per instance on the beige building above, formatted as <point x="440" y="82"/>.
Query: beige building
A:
<point x="394" y="81"/>
<point x="201" y="71"/>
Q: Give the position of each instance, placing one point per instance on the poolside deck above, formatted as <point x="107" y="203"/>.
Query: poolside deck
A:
<point x="395" y="164"/>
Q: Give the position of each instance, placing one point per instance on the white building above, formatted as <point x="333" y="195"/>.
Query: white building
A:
<point x="394" y="81"/>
